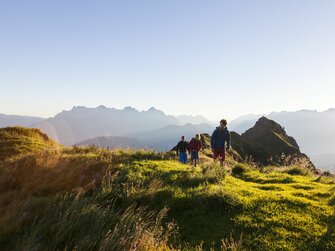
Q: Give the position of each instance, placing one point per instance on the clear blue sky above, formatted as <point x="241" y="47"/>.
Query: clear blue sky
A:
<point x="216" y="58"/>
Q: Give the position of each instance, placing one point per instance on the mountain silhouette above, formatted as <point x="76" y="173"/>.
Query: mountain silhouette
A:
<point x="268" y="143"/>
<point x="81" y="123"/>
<point x="314" y="131"/>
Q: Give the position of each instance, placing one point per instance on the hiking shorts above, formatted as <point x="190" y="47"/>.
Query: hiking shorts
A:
<point x="183" y="157"/>
<point x="194" y="155"/>
<point x="219" y="153"/>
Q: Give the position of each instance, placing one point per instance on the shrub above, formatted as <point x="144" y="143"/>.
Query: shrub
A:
<point x="213" y="171"/>
<point x="297" y="171"/>
<point x="223" y="201"/>
<point x="327" y="174"/>
<point x="239" y="169"/>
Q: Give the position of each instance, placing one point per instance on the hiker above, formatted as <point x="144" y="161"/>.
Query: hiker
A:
<point x="219" y="138"/>
<point x="182" y="148"/>
<point x="195" y="147"/>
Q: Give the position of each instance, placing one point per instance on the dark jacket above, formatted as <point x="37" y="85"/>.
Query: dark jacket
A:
<point x="182" y="147"/>
<point x="195" y="145"/>
<point x="220" y="137"/>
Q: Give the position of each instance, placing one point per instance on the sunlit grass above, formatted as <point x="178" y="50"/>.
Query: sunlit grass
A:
<point x="79" y="197"/>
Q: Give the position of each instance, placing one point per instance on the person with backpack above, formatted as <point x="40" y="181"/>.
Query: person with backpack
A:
<point x="220" y="138"/>
<point x="182" y="148"/>
<point x="195" y="147"/>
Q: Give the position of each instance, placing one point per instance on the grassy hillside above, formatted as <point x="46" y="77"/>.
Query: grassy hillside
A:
<point x="89" y="199"/>
<point x="15" y="141"/>
<point x="86" y="198"/>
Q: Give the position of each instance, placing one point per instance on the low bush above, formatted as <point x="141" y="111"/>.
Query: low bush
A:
<point x="297" y="171"/>
<point x="239" y="169"/>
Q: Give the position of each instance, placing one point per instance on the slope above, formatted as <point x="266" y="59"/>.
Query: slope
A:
<point x="273" y="209"/>
<point x="15" y="141"/>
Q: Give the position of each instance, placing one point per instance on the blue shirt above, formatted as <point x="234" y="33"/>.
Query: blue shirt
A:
<point x="219" y="138"/>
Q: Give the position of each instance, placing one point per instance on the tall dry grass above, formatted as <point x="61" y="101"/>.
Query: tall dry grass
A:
<point x="66" y="200"/>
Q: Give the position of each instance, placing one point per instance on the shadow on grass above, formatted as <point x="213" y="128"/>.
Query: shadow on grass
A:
<point x="205" y="218"/>
<point x="201" y="217"/>
<point x="332" y="201"/>
<point x="327" y="241"/>
<point x="284" y="180"/>
<point x="302" y="187"/>
<point x="270" y="188"/>
<point x="191" y="182"/>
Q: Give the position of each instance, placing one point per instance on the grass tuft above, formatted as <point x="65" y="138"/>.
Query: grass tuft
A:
<point x="298" y="171"/>
<point x="239" y="169"/>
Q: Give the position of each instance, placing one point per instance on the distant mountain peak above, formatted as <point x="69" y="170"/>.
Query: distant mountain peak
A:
<point x="153" y="109"/>
<point x="101" y="107"/>
<point x="129" y="108"/>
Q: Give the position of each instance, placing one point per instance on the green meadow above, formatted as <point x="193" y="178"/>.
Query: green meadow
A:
<point x="85" y="198"/>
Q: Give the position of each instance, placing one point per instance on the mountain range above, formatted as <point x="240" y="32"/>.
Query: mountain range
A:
<point x="81" y="123"/>
<point x="313" y="130"/>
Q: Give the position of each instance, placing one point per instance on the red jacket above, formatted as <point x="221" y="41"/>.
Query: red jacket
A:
<point x="195" y="145"/>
